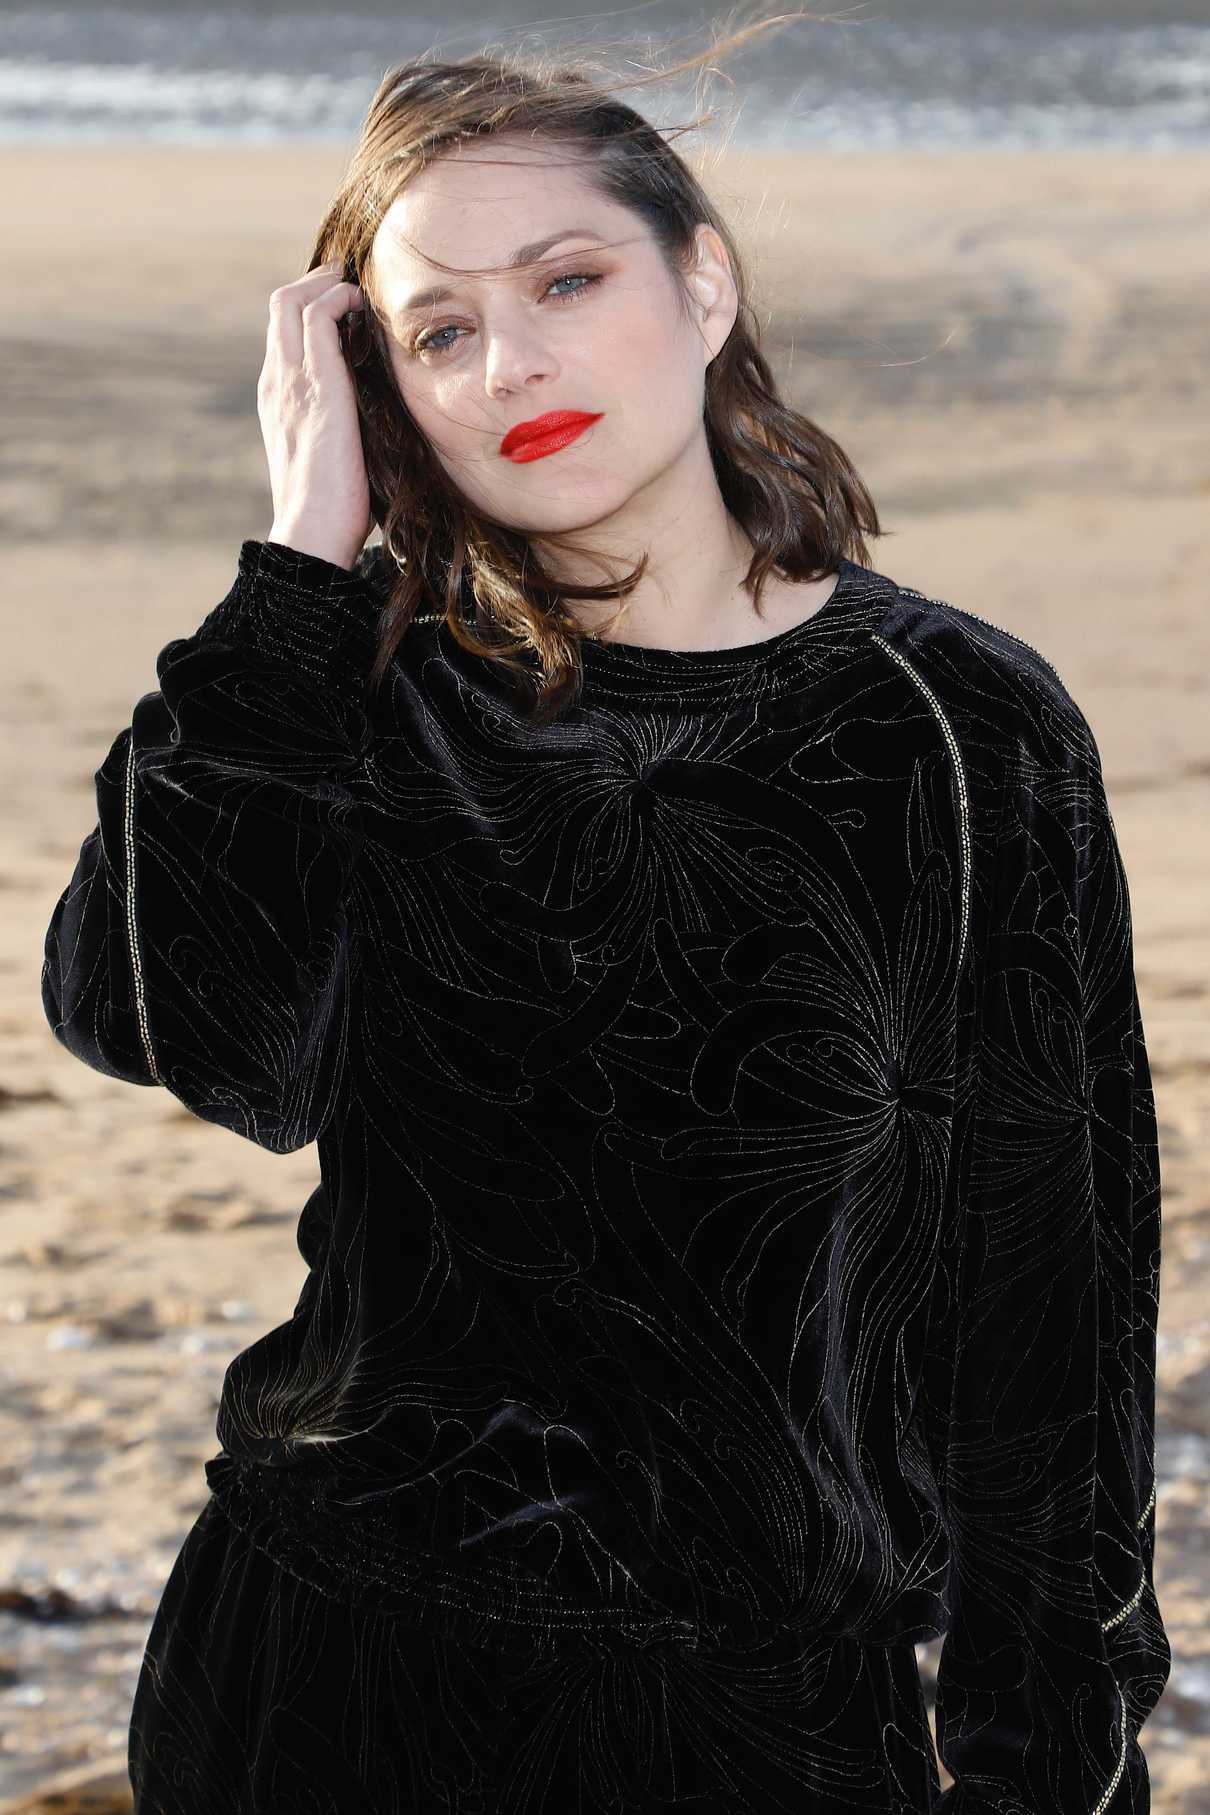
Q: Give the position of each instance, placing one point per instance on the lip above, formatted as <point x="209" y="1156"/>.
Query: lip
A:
<point x="545" y="434"/>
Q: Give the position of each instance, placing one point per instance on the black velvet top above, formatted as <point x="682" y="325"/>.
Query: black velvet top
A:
<point x="738" y="1198"/>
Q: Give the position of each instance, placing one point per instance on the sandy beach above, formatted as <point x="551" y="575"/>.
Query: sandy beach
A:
<point x="1012" y="349"/>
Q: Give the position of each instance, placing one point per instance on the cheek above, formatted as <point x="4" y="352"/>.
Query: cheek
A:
<point x="434" y="411"/>
<point x="633" y="345"/>
<point x="645" y="361"/>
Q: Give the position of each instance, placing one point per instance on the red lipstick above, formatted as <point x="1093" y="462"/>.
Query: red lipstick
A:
<point x="546" y="434"/>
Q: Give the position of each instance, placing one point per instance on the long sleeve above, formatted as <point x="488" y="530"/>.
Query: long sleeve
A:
<point x="1055" y="1652"/>
<point x="201" y="943"/>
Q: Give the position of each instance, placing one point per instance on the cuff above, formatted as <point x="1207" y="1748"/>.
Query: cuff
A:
<point x="302" y="611"/>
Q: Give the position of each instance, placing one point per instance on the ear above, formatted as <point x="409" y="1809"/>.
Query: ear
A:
<point x="714" y="287"/>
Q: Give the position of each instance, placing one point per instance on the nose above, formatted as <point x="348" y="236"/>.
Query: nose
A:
<point x="514" y="355"/>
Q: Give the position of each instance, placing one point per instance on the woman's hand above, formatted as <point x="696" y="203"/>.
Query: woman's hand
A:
<point x="308" y="418"/>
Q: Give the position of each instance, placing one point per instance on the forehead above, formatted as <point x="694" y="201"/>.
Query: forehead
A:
<point x="473" y="209"/>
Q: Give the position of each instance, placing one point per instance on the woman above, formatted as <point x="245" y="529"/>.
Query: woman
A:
<point x="735" y="1256"/>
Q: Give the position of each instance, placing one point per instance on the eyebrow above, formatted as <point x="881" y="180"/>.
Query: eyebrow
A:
<point x="524" y="255"/>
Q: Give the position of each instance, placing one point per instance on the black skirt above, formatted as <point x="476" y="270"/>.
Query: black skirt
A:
<point x="259" y="1695"/>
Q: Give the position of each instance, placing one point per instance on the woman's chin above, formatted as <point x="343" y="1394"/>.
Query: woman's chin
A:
<point x="558" y="517"/>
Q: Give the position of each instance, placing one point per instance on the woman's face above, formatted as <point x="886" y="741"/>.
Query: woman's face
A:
<point x="596" y="326"/>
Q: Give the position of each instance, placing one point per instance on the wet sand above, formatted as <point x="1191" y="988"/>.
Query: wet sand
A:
<point x="1012" y="350"/>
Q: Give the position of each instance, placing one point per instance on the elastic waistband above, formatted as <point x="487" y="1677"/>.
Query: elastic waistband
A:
<point x="355" y="1557"/>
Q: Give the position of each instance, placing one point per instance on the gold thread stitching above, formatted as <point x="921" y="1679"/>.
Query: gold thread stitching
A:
<point x="960" y="774"/>
<point x="132" y="938"/>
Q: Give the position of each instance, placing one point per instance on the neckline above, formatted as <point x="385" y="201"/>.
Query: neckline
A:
<point x="654" y="661"/>
<point x="707" y="682"/>
<point x="700" y="683"/>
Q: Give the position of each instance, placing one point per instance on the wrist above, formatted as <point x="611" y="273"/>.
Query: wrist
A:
<point x="314" y="541"/>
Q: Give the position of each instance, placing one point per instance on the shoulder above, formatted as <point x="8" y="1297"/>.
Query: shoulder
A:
<point x="999" y="691"/>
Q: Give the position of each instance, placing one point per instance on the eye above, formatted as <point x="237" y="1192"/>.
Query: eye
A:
<point x="430" y="340"/>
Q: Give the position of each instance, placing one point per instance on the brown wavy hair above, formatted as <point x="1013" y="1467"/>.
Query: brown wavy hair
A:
<point x="787" y="483"/>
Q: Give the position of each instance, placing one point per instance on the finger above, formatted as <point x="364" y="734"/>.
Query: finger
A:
<point x="286" y="305"/>
<point x="319" y="318"/>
